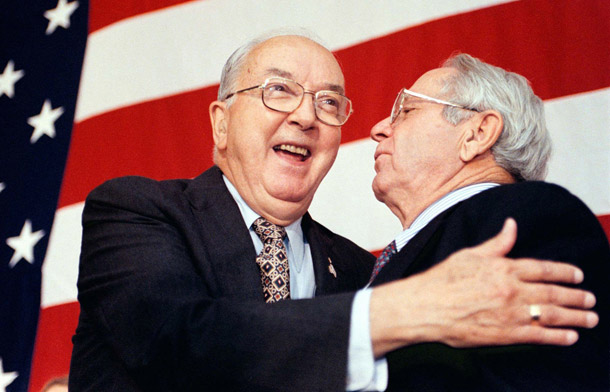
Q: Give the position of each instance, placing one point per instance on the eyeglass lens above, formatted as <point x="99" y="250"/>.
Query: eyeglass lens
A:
<point x="285" y="96"/>
<point x="396" y="107"/>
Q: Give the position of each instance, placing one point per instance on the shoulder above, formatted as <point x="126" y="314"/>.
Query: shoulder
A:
<point x="142" y="192"/>
<point x="528" y="198"/>
<point x="529" y="201"/>
<point x="551" y="222"/>
<point x="542" y="211"/>
<point x="134" y="192"/>
<point x="527" y="192"/>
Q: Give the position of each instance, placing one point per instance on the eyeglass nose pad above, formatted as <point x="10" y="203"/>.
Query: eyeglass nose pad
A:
<point x="313" y="109"/>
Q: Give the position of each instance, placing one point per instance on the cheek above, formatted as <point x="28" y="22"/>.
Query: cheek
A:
<point x="251" y="123"/>
<point x="333" y="141"/>
<point x="250" y="139"/>
<point x="329" y="145"/>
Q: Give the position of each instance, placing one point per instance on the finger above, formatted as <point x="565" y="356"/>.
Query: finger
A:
<point x="557" y="316"/>
<point x="533" y="334"/>
<point x="558" y="295"/>
<point x="530" y="270"/>
<point x="501" y="243"/>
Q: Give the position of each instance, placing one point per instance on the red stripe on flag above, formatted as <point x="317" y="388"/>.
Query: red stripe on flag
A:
<point x="605" y="222"/>
<point x="165" y="138"/>
<point x="53" y="343"/>
<point x="106" y="12"/>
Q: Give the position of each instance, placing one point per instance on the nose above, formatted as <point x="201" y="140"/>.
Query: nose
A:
<point x="381" y="130"/>
<point x="304" y="116"/>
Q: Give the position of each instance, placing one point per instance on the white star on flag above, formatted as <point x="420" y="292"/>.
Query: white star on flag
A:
<point x="2" y="186"/>
<point x="60" y="15"/>
<point x="44" y="123"/>
<point x="8" y="78"/>
<point x="6" y="379"/>
<point x="24" y="244"/>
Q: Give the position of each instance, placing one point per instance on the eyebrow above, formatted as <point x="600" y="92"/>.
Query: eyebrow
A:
<point x="287" y="75"/>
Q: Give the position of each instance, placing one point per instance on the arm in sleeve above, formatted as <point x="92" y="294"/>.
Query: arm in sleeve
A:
<point x="147" y="301"/>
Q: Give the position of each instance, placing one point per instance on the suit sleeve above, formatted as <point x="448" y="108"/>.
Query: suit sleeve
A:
<point x="148" y="320"/>
<point x="555" y="225"/>
<point x="552" y="225"/>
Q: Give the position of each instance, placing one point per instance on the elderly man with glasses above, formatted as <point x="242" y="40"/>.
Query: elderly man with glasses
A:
<point x="463" y="149"/>
<point x="209" y="283"/>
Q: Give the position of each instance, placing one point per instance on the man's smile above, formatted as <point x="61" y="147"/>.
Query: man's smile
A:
<point x="301" y="152"/>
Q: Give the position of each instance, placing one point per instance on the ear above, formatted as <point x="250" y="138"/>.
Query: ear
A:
<point x="482" y="132"/>
<point x="218" y="118"/>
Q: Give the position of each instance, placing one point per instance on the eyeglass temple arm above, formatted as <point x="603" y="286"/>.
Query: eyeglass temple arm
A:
<point x="241" y="91"/>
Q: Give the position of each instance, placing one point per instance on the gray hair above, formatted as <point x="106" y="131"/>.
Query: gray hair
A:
<point x="233" y="67"/>
<point x="524" y="147"/>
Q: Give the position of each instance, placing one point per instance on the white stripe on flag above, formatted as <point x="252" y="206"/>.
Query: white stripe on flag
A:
<point x="580" y="130"/>
<point x="60" y="267"/>
<point x="135" y="60"/>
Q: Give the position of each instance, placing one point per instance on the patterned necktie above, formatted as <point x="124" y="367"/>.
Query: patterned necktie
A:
<point x="272" y="261"/>
<point x="383" y="259"/>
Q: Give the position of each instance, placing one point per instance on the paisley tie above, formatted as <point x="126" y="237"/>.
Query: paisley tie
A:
<point x="272" y="261"/>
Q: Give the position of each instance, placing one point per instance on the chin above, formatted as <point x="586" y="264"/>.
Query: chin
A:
<point x="377" y="190"/>
<point x="293" y="197"/>
<point x="291" y="188"/>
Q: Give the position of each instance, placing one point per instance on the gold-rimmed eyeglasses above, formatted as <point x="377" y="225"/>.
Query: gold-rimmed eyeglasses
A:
<point x="405" y="94"/>
<point x="285" y="95"/>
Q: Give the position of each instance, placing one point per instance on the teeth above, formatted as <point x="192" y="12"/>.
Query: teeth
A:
<point x="294" y="149"/>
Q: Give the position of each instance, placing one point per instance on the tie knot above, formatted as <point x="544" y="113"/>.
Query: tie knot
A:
<point x="268" y="231"/>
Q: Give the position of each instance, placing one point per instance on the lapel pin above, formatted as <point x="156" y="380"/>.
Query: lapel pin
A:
<point x="331" y="269"/>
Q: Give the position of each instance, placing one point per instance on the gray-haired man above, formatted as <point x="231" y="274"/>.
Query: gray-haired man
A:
<point x="461" y="152"/>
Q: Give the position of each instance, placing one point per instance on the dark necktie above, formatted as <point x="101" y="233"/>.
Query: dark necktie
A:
<point x="383" y="259"/>
<point x="272" y="261"/>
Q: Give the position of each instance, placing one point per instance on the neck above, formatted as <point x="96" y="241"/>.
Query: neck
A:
<point x="413" y="203"/>
<point x="277" y="211"/>
<point x="288" y="212"/>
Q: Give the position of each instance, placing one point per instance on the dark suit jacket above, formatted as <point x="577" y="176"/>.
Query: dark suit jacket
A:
<point x="171" y="299"/>
<point x="553" y="225"/>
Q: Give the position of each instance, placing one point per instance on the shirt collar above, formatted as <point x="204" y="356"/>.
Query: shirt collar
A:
<point x="436" y="208"/>
<point x="294" y="231"/>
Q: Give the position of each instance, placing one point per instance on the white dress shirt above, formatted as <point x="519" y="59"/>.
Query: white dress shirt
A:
<point x="364" y="372"/>
<point x="303" y="285"/>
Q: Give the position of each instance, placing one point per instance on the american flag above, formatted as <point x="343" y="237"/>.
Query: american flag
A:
<point x="150" y="71"/>
<point x="41" y="53"/>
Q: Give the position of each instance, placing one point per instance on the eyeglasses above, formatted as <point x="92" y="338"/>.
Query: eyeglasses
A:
<point x="285" y="95"/>
<point x="404" y="94"/>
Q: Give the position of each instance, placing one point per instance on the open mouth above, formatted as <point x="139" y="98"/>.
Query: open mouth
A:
<point x="298" y="152"/>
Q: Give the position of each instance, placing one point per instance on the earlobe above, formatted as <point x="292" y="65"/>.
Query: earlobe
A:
<point x="468" y="146"/>
<point x="218" y="118"/>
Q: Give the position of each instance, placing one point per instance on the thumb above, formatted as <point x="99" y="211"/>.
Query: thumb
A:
<point x="501" y="243"/>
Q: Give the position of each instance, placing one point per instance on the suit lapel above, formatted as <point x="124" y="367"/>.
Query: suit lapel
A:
<point x="407" y="260"/>
<point x="338" y="267"/>
<point x="229" y="249"/>
<point x="230" y="255"/>
<point x="320" y="246"/>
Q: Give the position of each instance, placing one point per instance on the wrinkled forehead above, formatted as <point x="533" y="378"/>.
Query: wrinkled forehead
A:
<point x="297" y="58"/>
